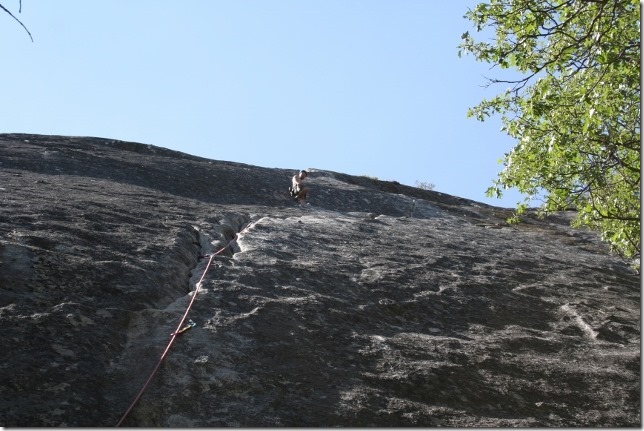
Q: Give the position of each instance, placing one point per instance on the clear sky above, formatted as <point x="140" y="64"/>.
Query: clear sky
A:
<point x="363" y="87"/>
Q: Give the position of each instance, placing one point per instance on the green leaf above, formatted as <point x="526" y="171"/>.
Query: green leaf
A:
<point x="573" y="107"/>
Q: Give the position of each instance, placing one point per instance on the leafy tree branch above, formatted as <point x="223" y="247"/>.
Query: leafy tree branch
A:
<point x="573" y="108"/>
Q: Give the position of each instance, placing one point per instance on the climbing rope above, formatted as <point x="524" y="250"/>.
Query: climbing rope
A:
<point x="179" y="329"/>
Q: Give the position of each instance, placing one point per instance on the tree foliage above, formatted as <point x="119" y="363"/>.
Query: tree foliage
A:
<point x="574" y="108"/>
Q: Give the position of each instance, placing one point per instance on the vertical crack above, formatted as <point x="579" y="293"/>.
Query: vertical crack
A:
<point x="213" y="237"/>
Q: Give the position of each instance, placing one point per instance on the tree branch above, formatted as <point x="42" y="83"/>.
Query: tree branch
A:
<point x="19" y="22"/>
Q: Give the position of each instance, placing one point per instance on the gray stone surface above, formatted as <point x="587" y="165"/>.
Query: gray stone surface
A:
<point x="380" y="305"/>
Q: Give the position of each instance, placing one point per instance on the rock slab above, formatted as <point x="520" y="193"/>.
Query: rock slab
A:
<point x="379" y="305"/>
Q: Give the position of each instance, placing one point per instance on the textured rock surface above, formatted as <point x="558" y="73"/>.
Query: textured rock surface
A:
<point x="383" y="305"/>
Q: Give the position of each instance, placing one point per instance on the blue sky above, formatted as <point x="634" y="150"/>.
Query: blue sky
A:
<point x="363" y="87"/>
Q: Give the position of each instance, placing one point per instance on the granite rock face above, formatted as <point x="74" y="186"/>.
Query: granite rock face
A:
<point x="379" y="305"/>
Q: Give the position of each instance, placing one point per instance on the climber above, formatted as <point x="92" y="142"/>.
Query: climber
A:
<point x="297" y="189"/>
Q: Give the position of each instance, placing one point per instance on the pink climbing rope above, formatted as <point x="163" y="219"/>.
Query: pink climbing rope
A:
<point x="176" y="332"/>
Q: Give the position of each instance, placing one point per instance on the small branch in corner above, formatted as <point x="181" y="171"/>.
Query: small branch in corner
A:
<point x="19" y="22"/>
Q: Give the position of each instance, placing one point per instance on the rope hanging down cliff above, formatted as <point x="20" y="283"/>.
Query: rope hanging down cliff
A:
<point x="179" y="327"/>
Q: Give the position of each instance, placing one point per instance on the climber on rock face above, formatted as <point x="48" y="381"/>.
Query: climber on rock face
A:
<point x="297" y="189"/>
